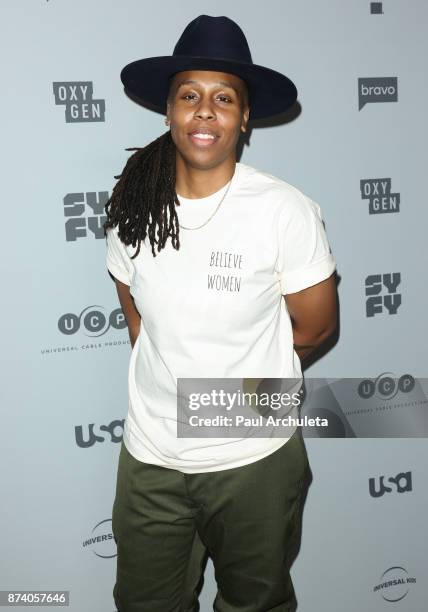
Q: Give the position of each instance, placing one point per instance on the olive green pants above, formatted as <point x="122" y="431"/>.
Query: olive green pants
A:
<point x="247" y="519"/>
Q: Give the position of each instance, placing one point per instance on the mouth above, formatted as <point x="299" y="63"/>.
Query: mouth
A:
<point x="203" y="138"/>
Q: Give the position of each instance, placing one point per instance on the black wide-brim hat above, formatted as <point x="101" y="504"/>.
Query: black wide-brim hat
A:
<point x="210" y="43"/>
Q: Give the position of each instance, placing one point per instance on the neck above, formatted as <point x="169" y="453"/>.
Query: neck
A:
<point x="194" y="183"/>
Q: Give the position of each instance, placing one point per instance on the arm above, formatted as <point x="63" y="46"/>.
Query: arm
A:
<point x="132" y="315"/>
<point x="313" y="313"/>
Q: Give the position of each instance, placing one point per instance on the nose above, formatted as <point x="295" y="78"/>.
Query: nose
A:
<point x="205" y="109"/>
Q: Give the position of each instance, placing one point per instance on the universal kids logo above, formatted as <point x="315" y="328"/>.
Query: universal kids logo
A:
<point x="113" y="429"/>
<point x="377" y="89"/>
<point x="382" y="295"/>
<point x="394" y="584"/>
<point x="92" y="321"/>
<point x="101" y="540"/>
<point x="378" y="193"/>
<point x="402" y="483"/>
<point x="85" y="214"/>
<point x="76" y="96"/>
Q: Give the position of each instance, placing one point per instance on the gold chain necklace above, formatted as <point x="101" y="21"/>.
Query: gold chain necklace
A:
<point x="218" y="206"/>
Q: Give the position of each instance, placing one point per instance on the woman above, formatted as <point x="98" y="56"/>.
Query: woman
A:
<point x="202" y="249"/>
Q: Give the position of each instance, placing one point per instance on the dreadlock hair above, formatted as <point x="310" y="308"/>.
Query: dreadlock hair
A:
<point x="144" y="195"/>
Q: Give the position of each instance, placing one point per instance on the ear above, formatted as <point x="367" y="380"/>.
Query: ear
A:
<point x="245" y="118"/>
<point x="170" y="97"/>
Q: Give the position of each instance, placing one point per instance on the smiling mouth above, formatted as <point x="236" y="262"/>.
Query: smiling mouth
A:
<point x="203" y="140"/>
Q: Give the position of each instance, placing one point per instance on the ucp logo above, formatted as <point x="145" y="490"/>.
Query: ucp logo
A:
<point x="386" y="386"/>
<point x="92" y="320"/>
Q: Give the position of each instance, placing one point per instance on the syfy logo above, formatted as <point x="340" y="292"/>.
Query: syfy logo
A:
<point x="377" y="89"/>
<point x="76" y="96"/>
<point x="402" y="483"/>
<point x="378" y="193"/>
<point x="379" y="301"/>
<point x="78" y="223"/>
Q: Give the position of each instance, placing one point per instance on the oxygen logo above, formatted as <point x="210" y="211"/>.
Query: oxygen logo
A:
<point x="102" y="540"/>
<point x="114" y="429"/>
<point x="394" y="584"/>
<point x="378" y="193"/>
<point x="376" y="8"/>
<point x="85" y="214"/>
<point x="386" y="386"/>
<point x="402" y="483"/>
<point x="379" y="300"/>
<point x="92" y="320"/>
<point x="76" y="96"/>
<point x="377" y="89"/>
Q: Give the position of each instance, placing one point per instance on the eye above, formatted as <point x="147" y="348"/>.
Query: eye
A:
<point x="222" y="97"/>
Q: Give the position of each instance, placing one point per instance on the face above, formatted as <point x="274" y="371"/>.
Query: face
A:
<point x="207" y="110"/>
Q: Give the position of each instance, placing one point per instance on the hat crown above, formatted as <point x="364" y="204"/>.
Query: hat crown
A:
<point x="216" y="37"/>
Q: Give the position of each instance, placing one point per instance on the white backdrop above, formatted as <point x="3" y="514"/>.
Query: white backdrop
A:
<point x="65" y="347"/>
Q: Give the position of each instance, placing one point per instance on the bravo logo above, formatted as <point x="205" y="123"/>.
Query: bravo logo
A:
<point x="377" y="89"/>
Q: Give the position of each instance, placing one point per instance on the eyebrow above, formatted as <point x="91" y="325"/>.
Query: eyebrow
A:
<point x="223" y="83"/>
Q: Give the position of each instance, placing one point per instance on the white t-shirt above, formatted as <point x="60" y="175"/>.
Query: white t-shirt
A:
<point x="214" y="309"/>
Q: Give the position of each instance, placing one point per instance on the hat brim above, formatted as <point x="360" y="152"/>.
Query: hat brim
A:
<point x="270" y="92"/>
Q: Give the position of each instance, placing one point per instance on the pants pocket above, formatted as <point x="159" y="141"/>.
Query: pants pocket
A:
<point x="120" y="490"/>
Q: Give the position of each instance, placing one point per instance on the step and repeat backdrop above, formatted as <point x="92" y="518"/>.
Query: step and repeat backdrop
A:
<point x="355" y="143"/>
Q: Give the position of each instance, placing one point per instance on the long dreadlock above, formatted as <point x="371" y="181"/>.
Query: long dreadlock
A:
<point x="144" y="195"/>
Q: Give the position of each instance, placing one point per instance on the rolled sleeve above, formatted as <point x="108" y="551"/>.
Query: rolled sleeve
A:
<point x="118" y="261"/>
<point x="304" y="254"/>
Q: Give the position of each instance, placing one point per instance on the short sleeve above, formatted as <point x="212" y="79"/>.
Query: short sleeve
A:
<point x="117" y="259"/>
<point x="304" y="255"/>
